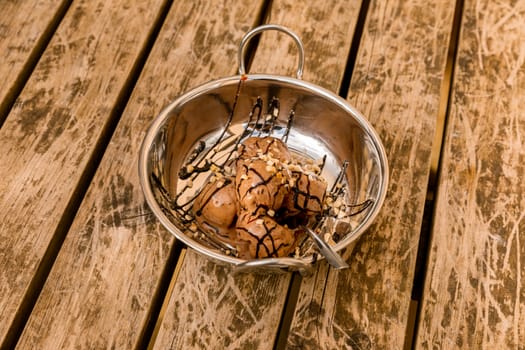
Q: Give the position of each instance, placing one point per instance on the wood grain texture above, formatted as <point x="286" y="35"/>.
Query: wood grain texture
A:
<point x="396" y="85"/>
<point x="100" y="291"/>
<point x="24" y="27"/>
<point x="209" y="308"/>
<point x="474" y="292"/>
<point x="49" y="136"/>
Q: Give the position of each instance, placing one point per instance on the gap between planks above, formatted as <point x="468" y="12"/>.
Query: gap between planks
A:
<point x="167" y="298"/>
<point x="32" y="60"/>
<point x="435" y="165"/>
<point x="162" y="295"/>
<point x="38" y="281"/>
<point x="354" y="48"/>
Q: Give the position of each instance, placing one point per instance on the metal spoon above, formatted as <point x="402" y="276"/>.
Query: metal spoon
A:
<point x="327" y="251"/>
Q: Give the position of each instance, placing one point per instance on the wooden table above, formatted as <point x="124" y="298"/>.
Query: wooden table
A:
<point x="84" y="263"/>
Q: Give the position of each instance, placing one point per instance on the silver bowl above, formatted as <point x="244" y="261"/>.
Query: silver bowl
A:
<point x="324" y="125"/>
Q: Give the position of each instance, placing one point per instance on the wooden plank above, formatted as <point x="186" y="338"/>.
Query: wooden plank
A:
<point x="25" y="27"/>
<point x="104" y="284"/>
<point x="474" y="291"/>
<point x="209" y="308"/>
<point x="50" y="135"/>
<point x="396" y="84"/>
<point x="212" y="308"/>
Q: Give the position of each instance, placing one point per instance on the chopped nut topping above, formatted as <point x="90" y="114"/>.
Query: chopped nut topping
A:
<point x="263" y="189"/>
<point x="271" y="169"/>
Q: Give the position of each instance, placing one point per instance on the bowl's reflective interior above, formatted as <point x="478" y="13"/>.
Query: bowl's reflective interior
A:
<point x="321" y="127"/>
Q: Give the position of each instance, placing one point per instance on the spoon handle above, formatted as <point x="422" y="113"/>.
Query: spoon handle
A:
<point x="326" y="250"/>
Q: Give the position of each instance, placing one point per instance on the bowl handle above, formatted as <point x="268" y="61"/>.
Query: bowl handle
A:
<point x="262" y="28"/>
<point x="274" y="264"/>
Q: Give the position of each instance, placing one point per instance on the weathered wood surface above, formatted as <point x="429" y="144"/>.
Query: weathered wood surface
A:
<point x="474" y="292"/>
<point x="49" y="137"/>
<point x="24" y="28"/>
<point x="107" y="281"/>
<point x="101" y="289"/>
<point x="396" y="85"/>
<point x="212" y="308"/>
<point x="209" y="308"/>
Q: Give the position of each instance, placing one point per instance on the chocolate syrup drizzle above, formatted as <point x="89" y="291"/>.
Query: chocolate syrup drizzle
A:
<point x="202" y="160"/>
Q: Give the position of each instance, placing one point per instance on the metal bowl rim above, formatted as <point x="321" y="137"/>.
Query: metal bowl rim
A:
<point x="161" y="119"/>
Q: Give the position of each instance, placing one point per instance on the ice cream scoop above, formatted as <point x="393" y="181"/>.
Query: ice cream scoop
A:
<point x="215" y="209"/>
<point x="269" y="147"/>
<point x="307" y="194"/>
<point x="261" y="185"/>
<point x="263" y="237"/>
